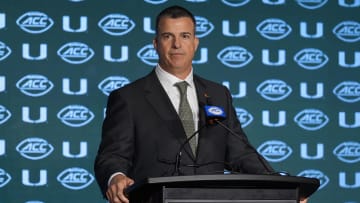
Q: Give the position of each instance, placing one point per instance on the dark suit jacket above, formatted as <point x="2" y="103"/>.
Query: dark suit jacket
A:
<point x="142" y="134"/>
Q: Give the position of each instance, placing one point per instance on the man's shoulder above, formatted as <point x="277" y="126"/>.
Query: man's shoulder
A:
<point x="208" y="83"/>
<point x="135" y="85"/>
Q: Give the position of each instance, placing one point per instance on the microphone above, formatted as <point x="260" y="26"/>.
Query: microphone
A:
<point x="216" y="114"/>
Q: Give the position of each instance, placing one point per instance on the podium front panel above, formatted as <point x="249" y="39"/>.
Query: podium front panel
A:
<point x="227" y="201"/>
<point x="226" y="195"/>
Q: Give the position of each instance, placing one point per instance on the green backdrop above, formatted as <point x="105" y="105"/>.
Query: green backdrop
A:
<point x="293" y="68"/>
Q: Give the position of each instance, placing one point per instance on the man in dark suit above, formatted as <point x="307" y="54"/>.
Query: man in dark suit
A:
<point x="143" y="133"/>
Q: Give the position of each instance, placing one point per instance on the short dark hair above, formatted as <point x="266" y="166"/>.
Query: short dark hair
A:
<point x="174" y="12"/>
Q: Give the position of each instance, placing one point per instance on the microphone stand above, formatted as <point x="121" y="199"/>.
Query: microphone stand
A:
<point x="178" y="154"/>
<point x="270" y="171"/>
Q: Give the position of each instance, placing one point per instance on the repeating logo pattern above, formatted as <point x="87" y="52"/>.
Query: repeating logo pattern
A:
<point x="294" y="84"/>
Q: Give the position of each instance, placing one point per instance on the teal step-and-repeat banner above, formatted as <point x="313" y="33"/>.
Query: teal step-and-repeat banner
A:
<point x="292" y="66"/>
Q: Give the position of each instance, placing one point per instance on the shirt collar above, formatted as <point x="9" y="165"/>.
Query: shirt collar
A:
<point x="170" y="79"/>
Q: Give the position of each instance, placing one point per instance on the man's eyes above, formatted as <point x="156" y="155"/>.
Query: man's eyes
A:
<point x="169" y="36"/>
<point x="186" y="36"/>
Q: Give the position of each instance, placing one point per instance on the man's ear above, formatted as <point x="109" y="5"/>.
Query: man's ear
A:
<point x="197" y="41"/>
<point x="155" y="41"/>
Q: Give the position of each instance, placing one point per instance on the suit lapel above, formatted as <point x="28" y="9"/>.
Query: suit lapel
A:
<point x="160" y="101"/>
<point x="158" y="98"/>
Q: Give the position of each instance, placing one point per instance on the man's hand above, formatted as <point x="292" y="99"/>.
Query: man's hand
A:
<point x="115" y="192"/>
<point x="304" y="201"/>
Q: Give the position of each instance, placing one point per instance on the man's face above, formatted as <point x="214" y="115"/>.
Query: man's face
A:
<point x="176" y="44"/>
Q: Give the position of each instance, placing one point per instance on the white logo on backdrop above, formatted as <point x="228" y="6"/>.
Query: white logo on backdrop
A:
<point x="26" y="52"/>
<point x="203" y="26"/>
<point x="347" y="31"/>
<point x="348" y="152"/>
<point x="235" y="3"/>
<point x="312" y="173"/>
<point x="75" y="52"/>
<point x="148" y="55"/>
<point x="116" y="24"/>
<point x="275" y="150"/>
<point x="348" y="91"/>
<point x="274" y="29"/>
<point x="347" y="4"/>
<point x="4" y="114"/>
<point x="5" y="51"/>
<point x="34" y="85"/>
<point x="155" y="1"/>
<point x="83" y="27"/>
<point x="34" y="148"/>
<point x="311" y="4"/>
<point x="75" y="115"/>
<point x="4" y="177"/>
<point x="2" y="20"/>
<point x="235" y="56"/>
<point x="112" y="83"/>
<point x="311" y="59"/>
<point x="75" y="178"/>
<point x="311" y="119"/>
<point x="274" y="90"/>
<point x="244" y="117"/>
<point x="35" y="22"/>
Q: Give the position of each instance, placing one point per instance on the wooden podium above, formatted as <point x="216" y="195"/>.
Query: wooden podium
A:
<point x="241" y="188"/>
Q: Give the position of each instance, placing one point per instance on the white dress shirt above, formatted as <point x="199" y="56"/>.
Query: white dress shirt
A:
<point x="168" y="81"/>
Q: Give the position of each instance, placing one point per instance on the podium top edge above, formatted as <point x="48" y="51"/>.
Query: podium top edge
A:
<point x="234" y="177"/>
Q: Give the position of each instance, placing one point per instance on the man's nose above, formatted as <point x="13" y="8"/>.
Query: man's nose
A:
<point x="176" y="42"/>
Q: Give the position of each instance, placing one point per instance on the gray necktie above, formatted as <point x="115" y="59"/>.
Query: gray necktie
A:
<point x="186" y="115"/>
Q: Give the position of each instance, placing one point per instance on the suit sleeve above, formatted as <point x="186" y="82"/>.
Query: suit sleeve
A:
<point x="116" y="149"/>
<point x="242" y="156"/>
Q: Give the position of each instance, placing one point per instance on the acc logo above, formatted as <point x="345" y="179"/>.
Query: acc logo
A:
<point x="5" y="51"/>
<point x="155" y="1"/>
<point x="214" y="111"/>
<point x="275" y="150"/>
<point x="4" y="178"/>
<point x="274" y="90"/>
<point x="273" y="29"/>
<point x="347" y="31"/>
<point x="34" y="85"/>
<point x="311" y="119"/>
<point x="348" y="91"/>
<point x="111" y="83"/>
<point x="235" y="56"/>
<point x="34" y="148"/>
<point x="196" y="1"/>
<point x="35" y="201"/>
<point x="348" y="152"/>
<point x="203" y="26"/>
<point x="273" y="2"/>
<point x="75" y="178"/>
<point x="75" y="115"/>
<point x="311" y="59"/>
<point x="75" y="52"/>
<point x="4" y="114"/>
<point x="116" y="24"/>
<point x="311" y="173"/>
<point x="311" y="4"/>
<point x="235" y="3"/>
<point x="148" y="55"/>
<point x="244" y="117"/>
<point x="34" y="22"/>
